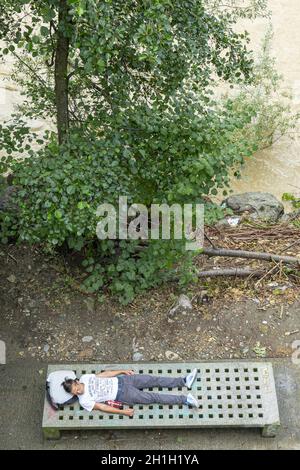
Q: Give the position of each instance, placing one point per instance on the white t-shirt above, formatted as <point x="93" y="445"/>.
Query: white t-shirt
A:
<point x="97" y="390"/>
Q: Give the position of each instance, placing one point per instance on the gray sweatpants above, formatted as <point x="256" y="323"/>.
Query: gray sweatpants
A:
<point x="130" y="390"/>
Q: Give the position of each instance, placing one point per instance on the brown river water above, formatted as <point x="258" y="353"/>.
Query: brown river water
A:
<point x="276" y="169"/>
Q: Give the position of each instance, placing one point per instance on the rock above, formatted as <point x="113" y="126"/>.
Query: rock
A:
<point x="46" y="348"/>
<point x="228" y="222"/>
<point x="182" y="305"/>
<point x="223" y="223"/>
<point x="171" y="356"/>
<point x="87" y="339"/>
<point x="137" y="356"/>
<point x="86" y="354"/>
<point x="245" y="350"/>
<point x="12" y="278"/>
<point x="261" y="206"/>
<point x="290" y="216"/>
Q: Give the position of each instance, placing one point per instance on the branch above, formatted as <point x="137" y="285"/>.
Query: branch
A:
<point x="51" y="63"/>
<point x="71" y="74"/>
<point x="238" y="272"/>
<point x="31" y="70"/>
<point x="250" y="254"/>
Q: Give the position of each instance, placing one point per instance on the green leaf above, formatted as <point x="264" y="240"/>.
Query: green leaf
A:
<point x="58" y="214"/>
<point x="44" y="31"/>
<point x="81" y="205"/>
<point x="71" y="189"/>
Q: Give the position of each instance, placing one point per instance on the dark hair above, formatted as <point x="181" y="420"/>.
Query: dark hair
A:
<point x="67" y="384"/>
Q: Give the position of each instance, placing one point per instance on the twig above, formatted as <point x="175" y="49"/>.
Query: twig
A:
<point x="266" y="274"/>
<point x="290" y="246"/>
<point x="12" y="257"/>
<point x="297" y="187"/>
<point x="209" y="240"/>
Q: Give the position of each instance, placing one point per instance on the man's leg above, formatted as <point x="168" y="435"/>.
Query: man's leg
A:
<point x="131" y="396"/>
<point x="146" y="381"/>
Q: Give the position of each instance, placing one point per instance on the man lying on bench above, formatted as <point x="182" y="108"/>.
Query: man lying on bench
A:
<point x="126" y="386"/>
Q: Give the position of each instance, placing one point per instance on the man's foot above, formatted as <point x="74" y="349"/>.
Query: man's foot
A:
<point x="189" y="379"/>
<point x="191" y="400"/>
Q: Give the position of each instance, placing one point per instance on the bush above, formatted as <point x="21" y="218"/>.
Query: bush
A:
<point x="140" y="120"/>
<point x="178" y="155"/>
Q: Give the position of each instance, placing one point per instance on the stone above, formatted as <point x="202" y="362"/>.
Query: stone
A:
<point x="12" y="278"/>
<point x="245" y="350"/>
<point x="228" y="222"/>
<point x="259" y="205"/>
<point x="87" y="339"/>
<point x="86" y="354"/>
<point x="171" y="356"/>
<point x="290" y="216"/>
<point x="182" y="305"/>
<point x="137" y="356"/>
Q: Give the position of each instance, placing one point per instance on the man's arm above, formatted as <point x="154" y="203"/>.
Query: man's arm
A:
<point x="111" y="409"/>
<point x="114" y="373"/>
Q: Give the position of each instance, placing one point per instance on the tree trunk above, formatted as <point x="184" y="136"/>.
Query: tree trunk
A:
<point x="61" y="72"/>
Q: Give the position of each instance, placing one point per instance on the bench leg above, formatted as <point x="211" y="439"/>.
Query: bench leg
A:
<point x="51" y="433"/>
<point x="270" y="430"/>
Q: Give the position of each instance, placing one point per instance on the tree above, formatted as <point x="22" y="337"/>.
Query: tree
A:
<point x="113" y="50"/>
<point x="131" y="85"/>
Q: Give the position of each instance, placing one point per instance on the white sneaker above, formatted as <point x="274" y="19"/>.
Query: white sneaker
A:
<point x="191" y="400"/>
<point x="190" y="378"/>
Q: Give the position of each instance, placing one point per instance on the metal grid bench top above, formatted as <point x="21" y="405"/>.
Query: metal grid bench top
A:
<point x="230" y="394"/>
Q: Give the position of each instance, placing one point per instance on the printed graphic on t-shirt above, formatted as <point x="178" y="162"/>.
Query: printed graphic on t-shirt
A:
<point x="97" y="390"/>
<point x="100" y="388"/>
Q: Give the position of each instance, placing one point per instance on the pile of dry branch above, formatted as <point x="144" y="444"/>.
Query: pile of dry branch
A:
<point x="282" y="255"/>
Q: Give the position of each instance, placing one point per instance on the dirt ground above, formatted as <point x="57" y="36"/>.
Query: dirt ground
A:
<point x="46" y="316"/>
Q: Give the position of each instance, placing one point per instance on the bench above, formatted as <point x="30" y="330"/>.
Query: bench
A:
<point x="231" y="394"/>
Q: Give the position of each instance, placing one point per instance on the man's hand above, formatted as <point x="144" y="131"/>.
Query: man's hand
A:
<point x="128" y="372"/>
<point x="128" y="412"/>
<point x="112" y="410"/>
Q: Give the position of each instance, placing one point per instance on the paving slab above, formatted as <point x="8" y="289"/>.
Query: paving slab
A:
<point x="233" y="394"/>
